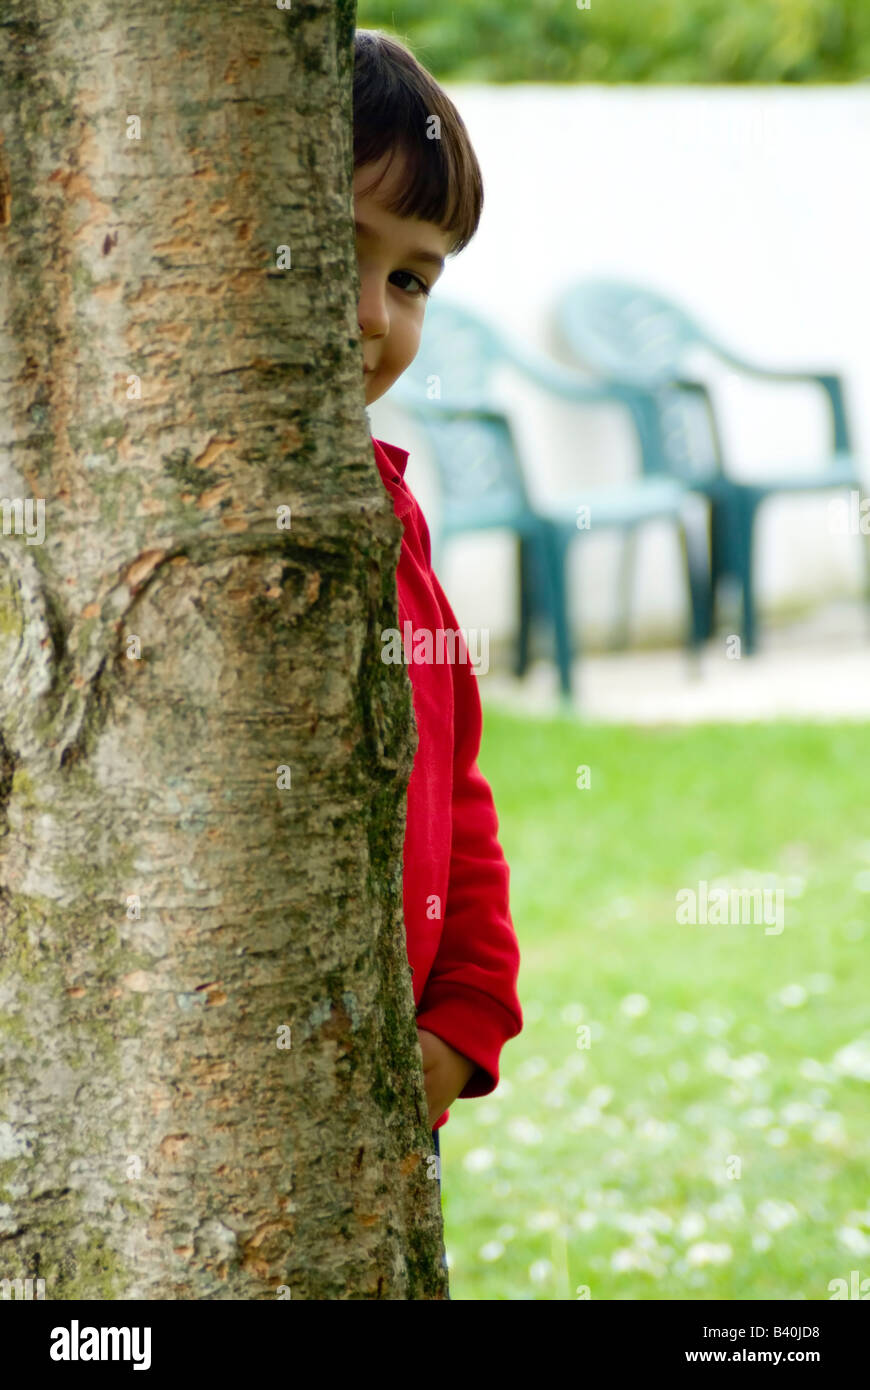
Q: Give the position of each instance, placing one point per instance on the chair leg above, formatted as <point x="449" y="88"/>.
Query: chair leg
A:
<point x="695" y="559"/>
<point x="526" y="606"/>
<point x="555" y="556"/>
<point x="625" y="584"/>
<point x="745" y="529"/>
<point x="722" y="557"/>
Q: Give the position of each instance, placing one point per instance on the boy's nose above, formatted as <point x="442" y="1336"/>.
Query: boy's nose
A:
<point x="372" y="311"/>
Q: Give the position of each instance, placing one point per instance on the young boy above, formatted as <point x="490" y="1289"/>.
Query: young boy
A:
<point x="418" y="199"/>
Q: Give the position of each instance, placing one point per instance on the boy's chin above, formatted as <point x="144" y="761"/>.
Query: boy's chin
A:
<point x="374" y="393"/>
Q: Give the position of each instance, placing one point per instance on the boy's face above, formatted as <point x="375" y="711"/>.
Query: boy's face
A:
<point x="395" y="255"/>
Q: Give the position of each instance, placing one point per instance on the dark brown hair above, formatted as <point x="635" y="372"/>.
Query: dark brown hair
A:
<point x="393" y="99"/>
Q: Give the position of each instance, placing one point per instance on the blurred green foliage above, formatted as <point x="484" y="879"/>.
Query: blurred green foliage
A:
<point x="674" y="41"/>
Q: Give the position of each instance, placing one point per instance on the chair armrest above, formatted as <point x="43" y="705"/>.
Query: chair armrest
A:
<point x="700" y="388"/>
<point x="550" y="376"/>
<point x="563" y="381"/>
<point x="830" y="382"/>
<point x="437" y="409"/>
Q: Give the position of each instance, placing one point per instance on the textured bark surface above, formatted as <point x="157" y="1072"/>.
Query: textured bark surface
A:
<point x="171" y="902"/>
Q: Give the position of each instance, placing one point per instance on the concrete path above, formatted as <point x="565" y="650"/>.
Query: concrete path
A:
<point x="817" y="669"/>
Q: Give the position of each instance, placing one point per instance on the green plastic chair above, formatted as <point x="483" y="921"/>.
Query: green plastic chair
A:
<point x="448" y="391"/>
<point x="631" y="335"/>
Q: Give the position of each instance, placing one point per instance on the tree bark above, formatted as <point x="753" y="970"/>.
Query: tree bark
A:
<point x="211" y="1082"/>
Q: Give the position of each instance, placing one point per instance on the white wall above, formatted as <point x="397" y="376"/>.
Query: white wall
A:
<point x="751" y="206"/>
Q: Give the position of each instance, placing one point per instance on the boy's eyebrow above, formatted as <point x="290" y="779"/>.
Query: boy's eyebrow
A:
<point x="418" y="255"/>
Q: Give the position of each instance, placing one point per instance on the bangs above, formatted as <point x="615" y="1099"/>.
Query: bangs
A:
<point x="394" y="102"/>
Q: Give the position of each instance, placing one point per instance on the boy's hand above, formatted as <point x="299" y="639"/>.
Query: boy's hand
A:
<point x="445" y="1072"/>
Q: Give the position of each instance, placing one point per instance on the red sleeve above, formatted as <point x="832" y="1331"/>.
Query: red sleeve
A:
<point x="470" y="1000"/>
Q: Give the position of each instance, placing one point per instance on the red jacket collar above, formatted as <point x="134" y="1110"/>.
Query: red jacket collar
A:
<point x="397" y="457"/>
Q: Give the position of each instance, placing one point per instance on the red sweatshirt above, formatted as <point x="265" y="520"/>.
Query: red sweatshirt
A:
<point x="462" y="947"/>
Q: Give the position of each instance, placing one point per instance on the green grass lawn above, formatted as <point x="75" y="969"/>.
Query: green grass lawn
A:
<point x="707" y="1137"/>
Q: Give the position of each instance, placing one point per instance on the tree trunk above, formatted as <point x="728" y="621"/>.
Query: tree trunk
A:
<point x="211" y="1080"/>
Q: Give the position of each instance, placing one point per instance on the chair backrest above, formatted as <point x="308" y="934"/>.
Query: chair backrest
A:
<point x="448" y="392"/>
<point x="630" y="334"/>
<point x="625" y="330"/>
<point x="458" y="357"/>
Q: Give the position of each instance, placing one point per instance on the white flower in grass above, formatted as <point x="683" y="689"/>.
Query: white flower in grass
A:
<point x="777" y="1138"/>
<point x="542" y="1221"/>
<point x="645" y="1240"/>
<point x="819" y="984"/>
<point x="622" y="1261"/>
<point x="795" y="885"/>
<point x="854" y="1060"/>
<point x="776" y="1215"/>
<point x="657" y="1131"/>
<point x="634" y="1005"/>
<point x="792" y="996"/>
<point x="861" y="881"/>
<point x="812" y="1070"/>
<point x="855" y="1241"/>
<point x="573" y="1013"/>
<point x="797" y="1112"/>
<point x="524" y="1132"/>
<point x="750" y="1066"/>
<point x="600" y="1096"/>
<point x="586" y="1221"/>
<point x="583" y="1118"/>
<point x="493" y="1250"/>
<point x="532" y="1067"/>
<point x="728" y="1211"/>
<point x="714" y="1026"/>
<point x="629" y="1258"/>
<point x="718" y="1060"/>
<point x="691" y="1225"/>
<point x="761" y="1241"/>
<point x="478" y="1160"/>
<point x="686" y="1023"/>
<point x="759" y="1117"/>
<point x="612" y="1197"/>
<point x="540" y="1271"/>
<point x="575" y="1064"/>
<point x="658" y="1220"/>
<point x="830" y="1129"/>
<point x="706" y="1253"/>
<point x="858" y="1218"/>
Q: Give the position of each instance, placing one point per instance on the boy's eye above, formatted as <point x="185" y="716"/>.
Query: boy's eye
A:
<point x="409" y="275"/>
